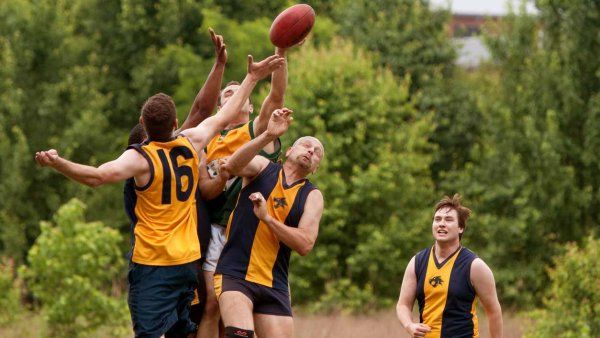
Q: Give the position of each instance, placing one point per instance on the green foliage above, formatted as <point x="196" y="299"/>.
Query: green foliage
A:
<point x="10" y="304"/>
<point x="407" y="35"/>
<point x="401" y="125"/>
<point x="73" y="268"/>
<point x="532" y="178"/>
<point x="574" y="291"/>
<point x="374" y="175"/>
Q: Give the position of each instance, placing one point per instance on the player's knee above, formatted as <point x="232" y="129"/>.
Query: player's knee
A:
<point x="233" y="332"/>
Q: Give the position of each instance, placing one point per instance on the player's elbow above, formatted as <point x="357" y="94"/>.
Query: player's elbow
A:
<point x="98" y="179"/>
<point x="93" y="183"/>
<point x="303" y="252"/>
<point x="306" y="248"/>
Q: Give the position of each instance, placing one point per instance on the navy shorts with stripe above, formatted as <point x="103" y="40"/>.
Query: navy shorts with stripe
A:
<point x="265" y="300"/>
<point x="159" y="298"/>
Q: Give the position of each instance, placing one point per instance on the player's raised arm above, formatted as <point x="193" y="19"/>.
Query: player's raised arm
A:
<point x="206" y="100"/>
<point x="244" y="162"/>
<point x="482" y="279"/>
<point x="129" y="164"/>
<point x="201" y="135"/>
<point x="276" y="96"/>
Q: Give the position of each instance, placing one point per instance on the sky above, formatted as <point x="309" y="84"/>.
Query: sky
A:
<point x="491" y="7"/>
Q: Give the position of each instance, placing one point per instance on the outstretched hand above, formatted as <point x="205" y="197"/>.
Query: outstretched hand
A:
<point x="260" y="70"/>
<point x="279" y="122"/>
<point x="260" y="206"/>
<point x="47" y="158"/>
<point x="220" y="47"/>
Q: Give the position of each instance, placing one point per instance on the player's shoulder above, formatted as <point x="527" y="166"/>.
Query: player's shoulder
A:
<point x="422" y="253"/>
<point x="315" y="195"/>
<point x="466" y="253"/>
<point x="479" y="264"/>
<point x="480" y="270"/>
<point x="420" y="259"/>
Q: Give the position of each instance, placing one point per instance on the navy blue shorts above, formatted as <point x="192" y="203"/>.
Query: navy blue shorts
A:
<point x="265" y="300"/>
<point x="159" y="299"/>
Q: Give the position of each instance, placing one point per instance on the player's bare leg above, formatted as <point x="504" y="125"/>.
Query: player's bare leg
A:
<point x="271" y="326"/>
<point x="209" y="325"/>
<point x="236" y="310"/>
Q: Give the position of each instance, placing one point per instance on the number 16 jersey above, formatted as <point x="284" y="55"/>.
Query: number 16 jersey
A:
<point x="164" y="210"/>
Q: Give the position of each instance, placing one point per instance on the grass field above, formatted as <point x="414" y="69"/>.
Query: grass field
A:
<point x="383" y="324"/>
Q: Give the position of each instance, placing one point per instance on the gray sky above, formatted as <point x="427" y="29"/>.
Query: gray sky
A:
<point x="494" y="7"/>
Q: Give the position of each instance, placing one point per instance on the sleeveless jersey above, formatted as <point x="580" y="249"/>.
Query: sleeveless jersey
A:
<point x="224" y="145"/>
<point x="445" y="294"/>
<point x="164" y="211"/>
<point x="252" y="251"/>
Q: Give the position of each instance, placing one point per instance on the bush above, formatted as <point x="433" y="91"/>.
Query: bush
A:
<point x="572" y="308"/>
<point x="10" y="305"/>
<point x="73" y="269"/>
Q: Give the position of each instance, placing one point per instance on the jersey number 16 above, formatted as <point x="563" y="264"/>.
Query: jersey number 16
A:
<point x="180" y="171"/>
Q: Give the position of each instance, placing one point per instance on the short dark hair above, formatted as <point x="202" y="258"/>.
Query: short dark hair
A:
<point x="454" y="203"/>
<point x="137" y="134"/>
<point x="159" y="116"/>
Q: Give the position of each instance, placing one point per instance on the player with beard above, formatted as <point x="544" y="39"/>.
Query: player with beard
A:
<point x="278" y="210"/>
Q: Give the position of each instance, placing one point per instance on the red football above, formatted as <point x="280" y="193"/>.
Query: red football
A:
<point x="292" y="25"/>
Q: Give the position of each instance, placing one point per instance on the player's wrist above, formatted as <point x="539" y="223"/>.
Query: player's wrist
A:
<point x="280" y="51"/>
<point x="58" y="163"/>
<point x="269" y="136"/>
<point x="252" y="78"/>
<point x="268" y="219"/>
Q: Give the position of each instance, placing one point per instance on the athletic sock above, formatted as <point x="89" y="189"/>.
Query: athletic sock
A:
<point x="233" y="332"/>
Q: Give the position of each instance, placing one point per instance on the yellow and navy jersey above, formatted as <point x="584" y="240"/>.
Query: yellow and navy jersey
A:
<point x="164" y="211"/>
<point x="224" y="145"/>
<point x="252" y="251"/>
<point x="445" y="294"/>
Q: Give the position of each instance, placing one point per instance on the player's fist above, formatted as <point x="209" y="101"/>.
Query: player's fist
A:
<point x="224" y="169"/>
<point x="46" y="158"/>
<point x="260" y="206"/>
<point x="279" y="122"/>
<point x="418" y="329"/>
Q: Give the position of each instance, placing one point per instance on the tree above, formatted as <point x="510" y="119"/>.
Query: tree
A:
<point x="10" y="293"/>
<point x="412" y="40"/>
<point x="572" y="305"/>
<point x="73" y="268"/>
<point x="406" y="35"/>
<point x="532" y="177"/>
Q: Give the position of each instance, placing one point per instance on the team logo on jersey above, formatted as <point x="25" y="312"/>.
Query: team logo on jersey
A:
<point x="279" y="202"/>
<point x="435" y="281"/>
